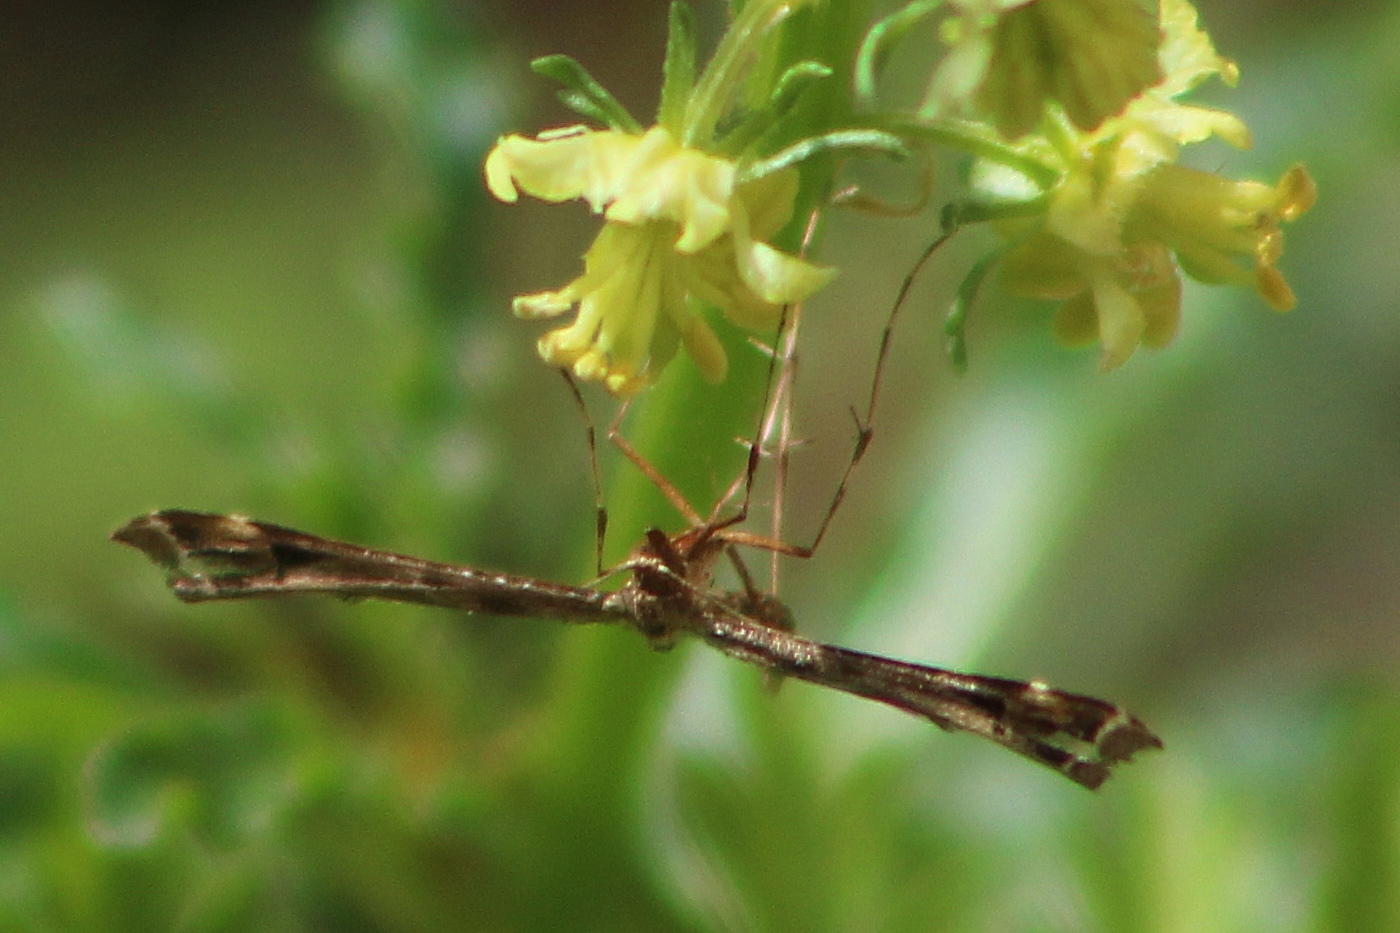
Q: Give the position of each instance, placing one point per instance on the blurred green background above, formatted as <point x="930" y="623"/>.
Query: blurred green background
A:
<point x="250" y="267"/>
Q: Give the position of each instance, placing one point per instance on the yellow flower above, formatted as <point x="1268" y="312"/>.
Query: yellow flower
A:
<point x="1132" y="297"/>
<point x="1106" y="169"/>
<point x="1155" y="124"/>
<point x="1123" y="216"/>
<point x="1013" y="57"/>
<point x="1212" y="223"/>
<point x="1220" y="231"/>
<point x="680" y="232"/>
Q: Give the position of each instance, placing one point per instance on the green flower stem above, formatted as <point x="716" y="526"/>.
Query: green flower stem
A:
<point x="971" y="138"/>
<point x="605" y="693"/>
<point x="861" y="140"/>
<point x="684" y="427"/>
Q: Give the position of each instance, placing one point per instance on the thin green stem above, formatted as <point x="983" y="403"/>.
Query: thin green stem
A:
<point x="971" y="138"/>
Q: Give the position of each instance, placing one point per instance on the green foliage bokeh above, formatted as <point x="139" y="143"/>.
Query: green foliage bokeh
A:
<point x="255" y="271"/>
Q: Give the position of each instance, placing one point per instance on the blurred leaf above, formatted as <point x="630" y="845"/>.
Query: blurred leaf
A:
<point x="678" y="71"/>
<point x="759" y="832"/>
<point x="1360" y="891"/>
<point x="584" y="95"/>
<point x="29" y="789"/>
<point x="131" y="363"/>
<point x="221" y="774"/>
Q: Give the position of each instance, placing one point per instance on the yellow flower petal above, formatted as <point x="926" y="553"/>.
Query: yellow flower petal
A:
<point x="1223" y="231"/>
<point x="560" y="166"/>
<point x="1089" y="56"/>
<point x="768" y="201"/>
<point x="1121" y="322"/>
<point x="1045" y="267"/>
<point x="1076" y="323"/>
<point x="704" y="347"/>
<point x="1188" y="57"/>
<point x="668" y="182"/>
<point x="1121" y="301"/>
<point x="678" y="233"/>
<point x="545" y="304"/>
<point x="1124" y="219"/>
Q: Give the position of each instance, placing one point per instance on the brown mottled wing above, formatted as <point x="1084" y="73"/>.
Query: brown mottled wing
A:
<point x="1079" y="736"/>
<point x="231" y="557"/>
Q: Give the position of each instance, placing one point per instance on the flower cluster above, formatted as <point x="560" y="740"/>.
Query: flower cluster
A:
<point x="1122" y="217"/>
<point x="1009" y="59"/>
<point x="1072" y="108"/>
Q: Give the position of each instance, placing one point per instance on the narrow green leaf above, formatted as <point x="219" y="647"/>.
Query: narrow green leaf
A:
<point x="955" y="325"/>
<point x="964" y="213"/>
<point x="583" y="94"/>
<point x="786" y="93"/>
<point x="873" y="141"/>
<point x="679" y="71"/>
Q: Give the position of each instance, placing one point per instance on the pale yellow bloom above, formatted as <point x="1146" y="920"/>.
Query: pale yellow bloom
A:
<point x="1106" y="169"/>
<point x="1123" y="215"/>
<point x="1223" y="232"/>
<point x="1013" y="57"/>
<point x="680" y="233"/>
<point x="1125" y="300"/>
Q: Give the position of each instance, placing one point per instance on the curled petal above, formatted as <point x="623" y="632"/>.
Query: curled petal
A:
<point x="1076" y="323"/>
<point x="1045" y="267"/>
<point x="777" y="277"/>
<point x="631" y="179"/>
<point x="772" y="275"/>
<point x="572" y="163"/>
<point x="1121" y="301"/>
<point x="768" y="202"/>
<point x="1188" y="57"/>
<point x="704" y="347"/>
<point x="1161" y="308"/>
<point x="546" y="304"/>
